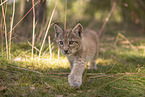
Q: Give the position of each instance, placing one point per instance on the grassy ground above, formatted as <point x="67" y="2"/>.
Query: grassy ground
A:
<point x="121" y="73"/>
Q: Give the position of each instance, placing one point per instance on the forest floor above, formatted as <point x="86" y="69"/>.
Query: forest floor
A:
<point x="120" y="73"/>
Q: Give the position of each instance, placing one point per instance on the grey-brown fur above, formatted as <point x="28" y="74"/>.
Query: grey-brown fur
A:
<point x="79" y="46"/>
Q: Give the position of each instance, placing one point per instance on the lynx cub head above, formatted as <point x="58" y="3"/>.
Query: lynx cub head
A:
<point x="69" y="41"/>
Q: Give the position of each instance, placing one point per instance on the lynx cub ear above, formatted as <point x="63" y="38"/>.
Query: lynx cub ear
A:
<point x="58" y="30"/>
<point x="78" y="29"/>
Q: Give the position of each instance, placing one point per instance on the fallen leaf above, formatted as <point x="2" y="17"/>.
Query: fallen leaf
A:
<point x="59" y="95"/>
<point x="48" y="86"/>
<point x="3" y="88"/>
<point x="32" y="87"/>
<point x="79" y="91"/>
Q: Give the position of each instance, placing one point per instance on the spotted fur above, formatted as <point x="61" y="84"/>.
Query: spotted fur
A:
<point x="79" y="46"/>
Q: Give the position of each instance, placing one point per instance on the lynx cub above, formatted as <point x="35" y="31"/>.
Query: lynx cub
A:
<point x="79" y="46"/>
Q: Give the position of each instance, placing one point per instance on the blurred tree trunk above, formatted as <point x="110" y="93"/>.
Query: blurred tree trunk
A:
<point x="133" y="12"/>
<point x="21" y="9"/>
<point x="40" y="11"/>
<point x="40" y="18"/>
<point x="28" y="18"/>
<point x="27" y="22"/>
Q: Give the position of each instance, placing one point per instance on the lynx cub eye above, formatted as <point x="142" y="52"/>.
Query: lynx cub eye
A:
<point x="60" y="42"/>
<point x="71" y="42"/>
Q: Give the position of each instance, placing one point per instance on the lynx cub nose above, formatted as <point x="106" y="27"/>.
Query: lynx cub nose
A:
<point x="65" y="51"/>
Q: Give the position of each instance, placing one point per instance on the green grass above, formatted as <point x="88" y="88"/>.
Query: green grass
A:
<point x="121" y="73"/>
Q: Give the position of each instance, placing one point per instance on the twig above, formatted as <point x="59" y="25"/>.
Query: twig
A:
<point x="107" y="19"/>
<point x="119" y="88"/>
<point x="95" y="73"/>
<point x="110" y="69"/>
<point x="86" y="73"/>
<point x="98" y="76"/>
<point x="59" y="73"/>
<point x="122" y="36"/>
<point x="33" y="46"/>
<point x="28" y="70"/>
<point x="48" y="27"/>
<point x="3" y="2"/>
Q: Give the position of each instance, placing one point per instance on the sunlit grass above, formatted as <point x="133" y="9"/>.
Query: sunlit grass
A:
<point x="44" y="62"/>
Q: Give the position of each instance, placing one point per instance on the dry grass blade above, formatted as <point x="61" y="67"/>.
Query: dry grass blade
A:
<point x="48" y="27"/>
<point x="2" y="37"/>
<point x="5" y="29"/>
<point x="50" y="49"/>
<point x="3" y="2"/>
<point x="10" y="36"/>
<point x="65" y="14"/>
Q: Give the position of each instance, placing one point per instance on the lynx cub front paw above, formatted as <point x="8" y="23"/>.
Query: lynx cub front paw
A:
<point x="75" y="81"/>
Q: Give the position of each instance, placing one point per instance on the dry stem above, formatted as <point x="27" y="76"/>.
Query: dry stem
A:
<point x="2" y="37"/>
<point x="4" y="14"/>
<point x="50" y="50"/>
<point x="107" y="19"/>
<point x="33" y="37"/>
<point x="122" y="36"/>
<point x="10" y="36"/>
<point x="48" y="28"/>
<point x="65" y="14"/>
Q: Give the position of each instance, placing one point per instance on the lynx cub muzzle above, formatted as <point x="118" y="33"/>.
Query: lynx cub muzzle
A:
<point x="79" y="46"/>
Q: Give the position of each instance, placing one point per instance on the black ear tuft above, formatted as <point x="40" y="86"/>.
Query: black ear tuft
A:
<point x="78" y="29"/>
<point x="58" y="30"/>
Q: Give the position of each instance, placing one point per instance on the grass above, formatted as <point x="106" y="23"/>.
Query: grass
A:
<point x="121" y="73"/>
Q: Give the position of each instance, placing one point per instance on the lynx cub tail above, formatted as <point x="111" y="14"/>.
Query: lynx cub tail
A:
<point x="79" y="46"/>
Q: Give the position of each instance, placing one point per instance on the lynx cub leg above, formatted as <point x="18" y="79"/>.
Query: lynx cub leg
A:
<point x="75" y="77"/>
<point x="93" y="65"/>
